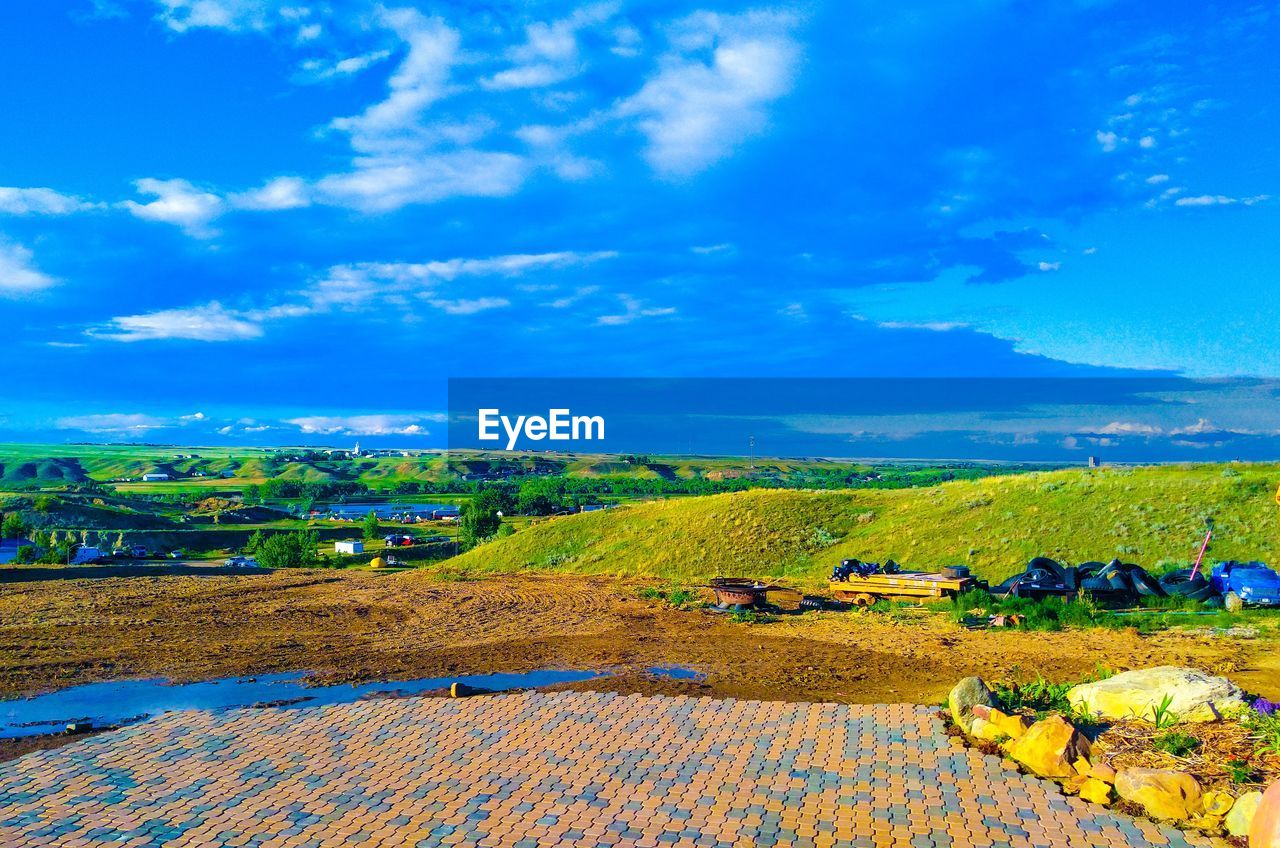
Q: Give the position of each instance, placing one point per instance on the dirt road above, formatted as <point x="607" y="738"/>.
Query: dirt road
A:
<point x="365" y="625"/>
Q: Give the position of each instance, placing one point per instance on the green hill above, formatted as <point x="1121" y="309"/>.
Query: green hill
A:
<point x="1144" y="515"/>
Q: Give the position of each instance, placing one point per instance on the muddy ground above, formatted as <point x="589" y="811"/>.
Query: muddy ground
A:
<point x="349" y="626"/>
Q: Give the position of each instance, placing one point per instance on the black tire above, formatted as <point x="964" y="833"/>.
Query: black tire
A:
<point x="1204" y="593"/>
<point x="1046" y="564"/>
<point x="1180" y="583"/>
<point x="1144" y="583"/>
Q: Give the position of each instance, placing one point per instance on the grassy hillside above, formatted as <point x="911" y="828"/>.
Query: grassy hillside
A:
<point x="1143" y="515"/>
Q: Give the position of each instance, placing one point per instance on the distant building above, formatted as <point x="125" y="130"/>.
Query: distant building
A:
<point x="356" y="452"/>
<point x="154" y="478"/>
<point x="1095" y="462"/>
<point x="349" y="547"/>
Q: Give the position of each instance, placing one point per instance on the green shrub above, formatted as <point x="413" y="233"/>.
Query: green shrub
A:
<point x="1175" y="742"/>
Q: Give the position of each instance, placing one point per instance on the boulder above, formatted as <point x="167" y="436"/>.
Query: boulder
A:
<point x="1013" y="726"/>
<point x="1103" y="772"/>
<point x="1264" y="832"/>
<point x="1050" y="748"/>
<point x="1217" y="803"/>
<point x="1242" y="812"/>
<point x="1194" y="695"/>
<point x="983" y="729"/>
<point x="1163" y="793"/>
<point x="967" y="694"/>
<point x="1096" y="791"/>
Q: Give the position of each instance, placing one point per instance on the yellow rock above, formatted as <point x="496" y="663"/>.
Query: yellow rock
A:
<point x="1192" y="695"/>
<point x="1096" y="791"/>
<point x="1082" y="766"/>
<point x="1163" y="793"/>
<point x="1212" y="824"/>
<point x="1103" y="772"/>
<point x="1050" y="748"/>
<point x="1217" y="803"/>
<point x="982" y="729"/>
<point x="1013" y="726"/>
<point x="1242" y="812"/>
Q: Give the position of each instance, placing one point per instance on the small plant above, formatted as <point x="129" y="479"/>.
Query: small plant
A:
<point x="1264" y="727"/>
<point x="673" y="595"/>
<point x="1162" y="715"/>
<point x="751" y="617"/>
<point x="1241" y="771"/>
<point x="1175" y="742"/>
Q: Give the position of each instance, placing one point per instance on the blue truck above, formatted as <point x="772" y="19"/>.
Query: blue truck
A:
<point x="1243" y="584"/>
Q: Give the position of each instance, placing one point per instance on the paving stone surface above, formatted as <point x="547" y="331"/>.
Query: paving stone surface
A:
<point x="545" y="769"/>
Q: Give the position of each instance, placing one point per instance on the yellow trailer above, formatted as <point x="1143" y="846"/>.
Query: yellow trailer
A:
<point x="906" y="585"/>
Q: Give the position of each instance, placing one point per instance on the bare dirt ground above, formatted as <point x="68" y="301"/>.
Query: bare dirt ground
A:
<point x="348" y="626"/>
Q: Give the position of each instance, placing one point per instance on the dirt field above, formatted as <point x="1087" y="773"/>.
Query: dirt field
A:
<point x="360" y="625"/>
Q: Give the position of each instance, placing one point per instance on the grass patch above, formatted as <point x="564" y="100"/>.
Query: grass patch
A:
<point x="1175" y="742"/>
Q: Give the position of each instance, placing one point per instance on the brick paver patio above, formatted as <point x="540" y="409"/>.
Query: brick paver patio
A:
<point x="541" y="769"/>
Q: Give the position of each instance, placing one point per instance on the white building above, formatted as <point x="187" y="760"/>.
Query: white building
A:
<point x="349" y="547"/>
<point x="154" y="478"/>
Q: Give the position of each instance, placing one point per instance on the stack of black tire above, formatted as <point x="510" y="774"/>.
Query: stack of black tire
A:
<point x="1181" y="583"/>
<point x="1113" y="582"/>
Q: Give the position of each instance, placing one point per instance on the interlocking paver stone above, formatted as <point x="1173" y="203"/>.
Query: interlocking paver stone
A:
<point x="545" y="769"/>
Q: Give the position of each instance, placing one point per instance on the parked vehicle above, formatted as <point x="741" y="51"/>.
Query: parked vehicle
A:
<point x="240" y="562"/>
<point x="1244" y="584"/>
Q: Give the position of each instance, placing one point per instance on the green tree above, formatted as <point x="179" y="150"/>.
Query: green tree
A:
<point x="252" y="493"/>
<point x="13" y="526"/>
<point x="27" y="554"/>
<point x="477" y="522"/>
<point x="289" y="550"/>
<point x="371" y="529"/>
<point x="255" y="542"/>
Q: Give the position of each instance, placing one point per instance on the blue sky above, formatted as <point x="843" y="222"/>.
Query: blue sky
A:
<point x="281" y="221"/>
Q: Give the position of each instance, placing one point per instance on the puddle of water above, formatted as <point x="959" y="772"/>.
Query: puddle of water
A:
<point x="126" y="701"/>
<point x="677" y="672"/>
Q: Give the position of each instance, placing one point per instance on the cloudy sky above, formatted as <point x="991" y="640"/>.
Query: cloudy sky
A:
<point x="292" y="221"/>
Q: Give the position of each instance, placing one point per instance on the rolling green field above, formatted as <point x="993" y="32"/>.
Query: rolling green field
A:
<point x="1149" y="515"/>
<point x="200" y="470"/>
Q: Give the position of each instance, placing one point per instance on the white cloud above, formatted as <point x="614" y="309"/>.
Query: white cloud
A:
<point x="420" y="81"/>
<point x="39" y="201"/>
<point x="279" y="193"/>
<point x="364" y="425"/>
<point x="549" y="53"/>
<point x="634" y="309"/>
<point x="1157" y="179"/>
<point x="1049" y="266"/>
<point x="233" y="15"/>
<point x="1147" y="142"/>
<point x="344" y="67"/>
<point x="386" y="183"/>
<point x="1220" y="200"/>
<point x="343" y="287"/>
<point x="112" y="422"/>
<point x="931" y="326"/>
<point x="177" y="202"/>
<point x="18" y="274"/>
<point x="210" y="322"/>
<point x="694" y="113"/>
<point x="711" y="249"/>
<point x="1107" y="140"/>
<point x="469" y="306"/>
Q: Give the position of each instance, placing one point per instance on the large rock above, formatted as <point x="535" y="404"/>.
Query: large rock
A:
<point x="1096" y="791"/>
<point x="1051" y="747"/>
<point x="1242" y="814"/>
<point x="1164" y="794"/>
<point x="1264" y="832"/>
<point x="1194" y="695"/>
<point x="967" y="694"/>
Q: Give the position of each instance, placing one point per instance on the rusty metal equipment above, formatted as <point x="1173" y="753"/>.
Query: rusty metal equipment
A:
<point x="742" y="593"/>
